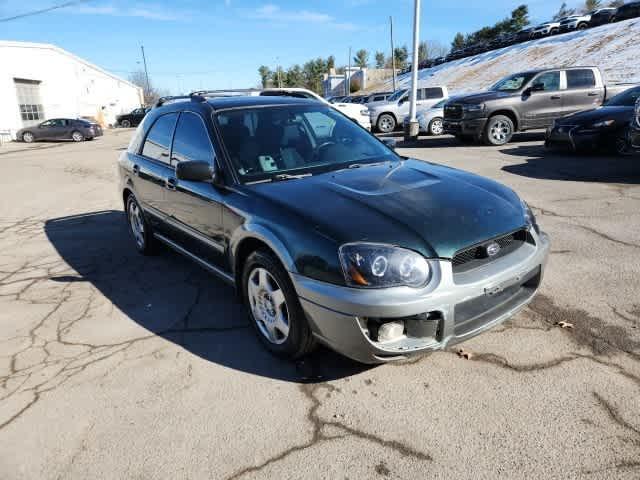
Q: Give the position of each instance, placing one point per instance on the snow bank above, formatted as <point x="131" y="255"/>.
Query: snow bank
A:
<point x="615" y="48"/>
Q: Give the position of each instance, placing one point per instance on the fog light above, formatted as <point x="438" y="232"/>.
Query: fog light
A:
<point x="390" y="331"/>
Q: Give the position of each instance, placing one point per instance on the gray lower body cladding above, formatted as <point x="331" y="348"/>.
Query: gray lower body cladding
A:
<point x="451" y="309"/>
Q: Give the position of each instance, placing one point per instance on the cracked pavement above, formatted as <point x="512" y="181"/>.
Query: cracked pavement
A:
<point x="113" y="365"/>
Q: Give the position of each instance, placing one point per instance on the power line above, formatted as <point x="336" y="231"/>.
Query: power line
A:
<point x="44" y="10"/>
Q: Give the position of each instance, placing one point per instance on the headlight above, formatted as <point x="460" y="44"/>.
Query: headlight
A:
<point x="603" y="124"/>
<point x="373" y="265"/>
<point x="529" y="217"/>
<point x="474" y="108"/>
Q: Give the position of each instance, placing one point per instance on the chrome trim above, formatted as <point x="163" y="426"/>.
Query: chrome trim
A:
<point x="203" y="263"/>
<point x="173" y="222"/>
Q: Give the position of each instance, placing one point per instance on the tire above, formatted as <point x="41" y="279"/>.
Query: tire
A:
<point x="273" y="307"/>
<point x="620" y="145"/>
<point x="77" y="136"/>
<point x="28" y="137"/>
<point x="583" y="26"/>
<point x="125" y="124"/>
<point x="436" y="128"/>
<point x="386" y="123"/>
<point x="498" y="131"/>
<point x="554" y="31"/>
<point x="139" y="228"/>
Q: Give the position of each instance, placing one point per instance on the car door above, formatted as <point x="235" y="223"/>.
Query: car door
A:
<point x="43" y="131"/>
<point x="542" y="101"/>
<point x="195" y="208"/>
<point x="582" y="92"/>
<point x="152" y="168"/>
<point x="64" y="128"/>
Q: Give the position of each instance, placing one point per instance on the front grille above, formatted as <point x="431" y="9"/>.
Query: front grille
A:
<point x="477" y="255"/>
<point x="452" y="111"/>
<point x="473" y="314"/>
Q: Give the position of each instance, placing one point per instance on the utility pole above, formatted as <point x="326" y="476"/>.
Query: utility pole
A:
<point x="348" y="84"/>
<point x="412" y="128"/>
<point x="278" y="72"/>
<point x="393" y="56"/>
<point x="146" y="73"/>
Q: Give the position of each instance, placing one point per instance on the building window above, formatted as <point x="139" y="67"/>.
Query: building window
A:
<point x="29" y="101"/>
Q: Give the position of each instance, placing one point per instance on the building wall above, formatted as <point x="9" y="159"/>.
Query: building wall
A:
<point x="70" y="87"/>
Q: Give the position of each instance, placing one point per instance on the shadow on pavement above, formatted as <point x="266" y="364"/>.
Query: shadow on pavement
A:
<point x="553" y="165"/>
<point x="175" y="299"/>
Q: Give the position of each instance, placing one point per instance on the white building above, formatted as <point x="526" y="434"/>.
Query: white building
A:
<point x="39" y="81"/>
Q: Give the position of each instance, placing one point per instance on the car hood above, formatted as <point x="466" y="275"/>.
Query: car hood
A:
<point x="429" y="208"/>
<point x="623" y="114"/>
<point x="481" y="97"/>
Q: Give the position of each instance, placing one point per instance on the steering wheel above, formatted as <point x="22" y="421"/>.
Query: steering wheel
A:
<point x="322" y="146"/>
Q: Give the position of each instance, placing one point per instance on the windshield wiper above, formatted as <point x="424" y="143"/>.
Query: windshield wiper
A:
<point x="287" y="176"/>
<point x="367" y="164"/>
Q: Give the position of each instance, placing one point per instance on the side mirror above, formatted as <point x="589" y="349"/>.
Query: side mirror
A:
<point x="390" y="142"/>
<point x="196" y="171"/>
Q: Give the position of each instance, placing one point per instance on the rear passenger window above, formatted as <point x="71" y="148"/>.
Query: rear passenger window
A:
<point x="191" y="141"/>
<point x="429" y="93"/>
<point x="158" y="141"/>
<point x="581" y="79"/>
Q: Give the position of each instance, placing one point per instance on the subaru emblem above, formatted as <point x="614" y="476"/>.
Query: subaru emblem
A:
<point x="493" y="249"/>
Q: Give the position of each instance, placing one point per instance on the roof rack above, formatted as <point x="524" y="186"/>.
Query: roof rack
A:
<point x="229" y="92"/>
<point x="170" y="99"/>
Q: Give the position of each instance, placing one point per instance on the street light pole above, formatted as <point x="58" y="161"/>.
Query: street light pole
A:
<point x="393" y="56"/>
<point x="348" y="84"/>
<point x="412" y="129"/>
<point x="146" y="73"/>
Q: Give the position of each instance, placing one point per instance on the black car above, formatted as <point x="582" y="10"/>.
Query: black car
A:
<point x="601" y="128"/>
<point x="61" y="129"/>
<point x="627" y="11"/>
<point x="524" y="35"/>
<point x="634" y="129"/>
<point x="327" y="234"/>
<point x="132" y="119"/>
<point x="602" y="16"/>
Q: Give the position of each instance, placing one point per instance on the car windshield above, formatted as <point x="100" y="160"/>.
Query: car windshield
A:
<point x="512" y="83"/>
<point x="396" y="95"/>
<point x="275" y="142"/>
<point x="627" y="98"/>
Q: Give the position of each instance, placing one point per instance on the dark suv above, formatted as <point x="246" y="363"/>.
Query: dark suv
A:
<point x="133" y="118"/>
<point x="627" y="11"/>
<point x="327" y="234"/>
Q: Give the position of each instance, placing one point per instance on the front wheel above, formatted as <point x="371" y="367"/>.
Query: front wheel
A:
<point x="27" y="137"/>
<point x="583" y="26"/>
<point x="125" y="124"/>
<point x="386" y="123"/>
<point x="498" y="131"/>
<point x="274" y="309"/>
<point x="620" y="144"/>
<point x="436" y="127"/>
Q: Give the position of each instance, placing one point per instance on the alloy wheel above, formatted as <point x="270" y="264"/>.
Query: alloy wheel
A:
<point x="77" y="136"/>
<point x="436" y="127"/>
<point x="126" y="124"/>
<point x="27" y="137"/>
<point x="268" y="306"/>
<point x="386" y="124"/>
<point x="136" y="223"/>
<point x="500" y="131"/>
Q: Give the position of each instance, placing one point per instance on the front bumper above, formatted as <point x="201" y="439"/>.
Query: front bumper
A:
<point x="572" y="137"/>
<point x="462" y="305"/>
<point x="471" y="127"/>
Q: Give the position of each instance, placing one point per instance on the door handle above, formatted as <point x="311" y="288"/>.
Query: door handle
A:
<point x="136" y="170"/>
<point x="592" y="94"/>
<point x="555" y="97"/>
<point x="170" y="183"/>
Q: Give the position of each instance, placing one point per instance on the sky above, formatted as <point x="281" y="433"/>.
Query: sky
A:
<point x="195" y="44"/>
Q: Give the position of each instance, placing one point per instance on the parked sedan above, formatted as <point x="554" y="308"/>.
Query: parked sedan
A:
<point x="327" y="234"/>
<point x="61" y="129"/>
<point x="430" y="120"/>
<point x="601" y="128"/>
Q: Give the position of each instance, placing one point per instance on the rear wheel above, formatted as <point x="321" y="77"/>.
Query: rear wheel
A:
<point x="386" y="123"/>
<point x="274" y="309"/>
<point x="140" y="229"/>
<point x="77" y="136"/>
<point x="125" y="124"/>
<point x="498" y="131"/>
<point x="436" y="127"/>
<point x="554" y="31"/>
<point x="28" y="137"/>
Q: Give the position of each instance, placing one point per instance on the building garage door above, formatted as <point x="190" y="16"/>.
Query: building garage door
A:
<point x="29" y="101"/>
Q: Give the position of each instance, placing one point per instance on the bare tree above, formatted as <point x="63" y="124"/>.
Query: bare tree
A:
<point x="151" y="94"/>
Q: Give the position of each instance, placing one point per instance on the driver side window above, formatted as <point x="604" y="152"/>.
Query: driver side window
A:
<point x="321" y="124"/>
<point x="550" y="80"/>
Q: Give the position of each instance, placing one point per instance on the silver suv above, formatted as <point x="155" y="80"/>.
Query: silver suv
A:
<point x="386" y="116"/>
